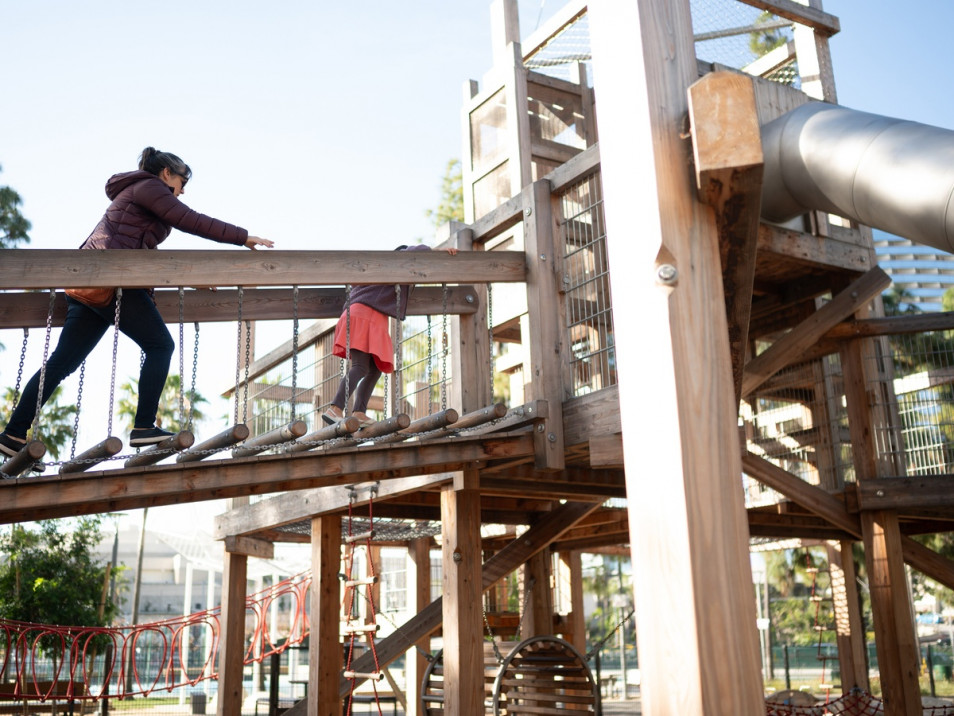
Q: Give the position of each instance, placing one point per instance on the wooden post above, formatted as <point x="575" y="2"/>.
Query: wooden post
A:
<point x="420" y="553"/>
<point x="572" y="563"/>
<point x="462" y="599"/>
<point x="324" y="646"/>
<point x="692" y="579"/>
<point x="539" y="617"/>
<point x="849" y="631"/>
<point x="232" y="635"/>
<point x="544" y="371"/>
<point x="470" y="348"/>
<point x="895" y="639"/>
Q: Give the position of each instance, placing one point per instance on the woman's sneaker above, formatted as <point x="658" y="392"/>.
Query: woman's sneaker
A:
<point x="10" y="446"/>
<point x="148" y="436"/>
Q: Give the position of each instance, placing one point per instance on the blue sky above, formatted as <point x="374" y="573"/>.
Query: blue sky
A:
<point x="318" y="125"/>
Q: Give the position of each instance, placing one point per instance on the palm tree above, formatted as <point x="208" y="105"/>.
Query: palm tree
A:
<point x="168" y="412"/>
<point x="55" y="423"/>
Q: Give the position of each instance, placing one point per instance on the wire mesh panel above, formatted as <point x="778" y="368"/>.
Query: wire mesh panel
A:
<point x="589" y="314"/>
<point x="798" y="421"/>
<point x="732" y="33"/>
<point x="423" y="382"/>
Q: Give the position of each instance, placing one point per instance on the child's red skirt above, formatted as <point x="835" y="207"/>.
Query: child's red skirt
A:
<point x="365" y="330"/>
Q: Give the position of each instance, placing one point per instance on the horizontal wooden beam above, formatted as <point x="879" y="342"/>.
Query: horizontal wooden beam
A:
<point x="250" y="547"/>
<point x="905" y="493"/>
<point x="306" y="504"/>
<point x="117" y="490"/>
<point x="75" y="268"/>
<point x="893" y="325"/>
<point x="29" y="309"/>
<point x="820" y="21"/>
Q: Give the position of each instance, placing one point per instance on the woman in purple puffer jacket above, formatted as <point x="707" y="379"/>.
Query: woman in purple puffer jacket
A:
<point x="145" y="208"/>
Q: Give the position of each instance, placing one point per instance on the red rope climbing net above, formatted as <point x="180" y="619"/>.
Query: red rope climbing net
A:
<point x="39" y="662"/>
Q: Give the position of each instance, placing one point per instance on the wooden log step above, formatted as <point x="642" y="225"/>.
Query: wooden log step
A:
<point x="426" y="424"/>
<point x="341" y="429"/>
<point x="95" y="455"/>
<point x="23" y="460"/>
<point x="182" y="440"/>
<point x="227" y="438"/>
<point x="286" y="433"/>
<point x="377" y="430"/>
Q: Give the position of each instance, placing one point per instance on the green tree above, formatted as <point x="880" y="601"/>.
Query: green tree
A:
<point x="56" y="420"/>
<point x="168" y="412"/>
<point x="762" y="42"/>
<point x="451" y="205"/>
<point x="50" y="575"/>
<point x="14" y="228"/>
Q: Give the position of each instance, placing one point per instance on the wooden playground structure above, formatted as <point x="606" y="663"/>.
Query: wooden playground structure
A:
<point x="657" y="389"/>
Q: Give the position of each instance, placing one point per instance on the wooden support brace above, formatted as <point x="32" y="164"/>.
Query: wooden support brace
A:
<point x="284" y="434"/>
<point x="23" y="460"/>
<point x="235" y="434"/>
<point x="182" y="440"/>
<point x="792" y="345"/>
<point x="818" y="501"/>
<point x="727" y="149"/>
<point x="95" y="455"/>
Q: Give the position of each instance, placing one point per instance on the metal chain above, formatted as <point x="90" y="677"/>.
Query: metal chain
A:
<point x="444" y="341"/>
<point x="23" y="350"/>
<point x="79" y="406"/>
<point x="345" y="363"/>
<point x="490" y="337"/>
<point x="181" y="360"/>
<point x="46" y="352"/>
<point x="599" y="645"/>
<point x="523" y="613"/>
<point x="429" y="380"/>
<point x="398" y="349"/>
<point x="248" y="361"/>
<point x="195" y="369"/>
<point x="238" y="354"/>
<point x="112" y="377"/>
<point x="294" y="385"/>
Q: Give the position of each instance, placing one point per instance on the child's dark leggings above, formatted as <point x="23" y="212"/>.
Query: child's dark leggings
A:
<point x="362" y="378"/>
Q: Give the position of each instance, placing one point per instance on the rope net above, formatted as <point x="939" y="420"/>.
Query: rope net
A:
<point x="89" y="663"/>
<point x="856" y="703"/>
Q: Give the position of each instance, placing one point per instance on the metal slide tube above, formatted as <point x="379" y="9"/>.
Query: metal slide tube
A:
<point x="891" y="174"/>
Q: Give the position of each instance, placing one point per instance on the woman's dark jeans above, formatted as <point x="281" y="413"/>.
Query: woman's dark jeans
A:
<point x="84" y="327"/>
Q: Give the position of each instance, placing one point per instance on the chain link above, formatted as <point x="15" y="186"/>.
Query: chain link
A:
<point x="444" y="350"/>
<point x="248" y="361"/>
<point x="195" y="370"/>
<point x="112" y="377"/>
<point x="23" y="350"/>
<point x="46" y="352"/>
<point x="238" y="354"/>
<point x="79" y="406"/>
<point x="294" y="385"/>
<point x="345" y="362"/>
<point x="490" y="338"/>
<point x="181" y="360"/>
<point x="429" y="379"/>
<point x="398" y="350"/>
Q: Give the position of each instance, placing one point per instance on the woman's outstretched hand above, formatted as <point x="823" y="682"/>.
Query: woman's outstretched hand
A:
<point x="253" y="242"/>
